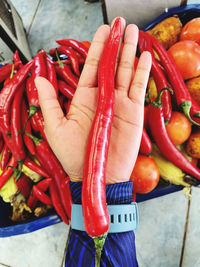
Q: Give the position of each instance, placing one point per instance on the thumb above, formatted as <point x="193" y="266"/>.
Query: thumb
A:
<point x="51" y="110"/>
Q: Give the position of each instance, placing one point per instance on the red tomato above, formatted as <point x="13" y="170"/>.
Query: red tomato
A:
<point x="191" y="31"/>
<point x="178" y="128"/>
<point x="145" y="175"/>
<point x="186" y="55"/>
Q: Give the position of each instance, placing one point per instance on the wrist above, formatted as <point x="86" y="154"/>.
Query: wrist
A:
<point x="119" y="193"/>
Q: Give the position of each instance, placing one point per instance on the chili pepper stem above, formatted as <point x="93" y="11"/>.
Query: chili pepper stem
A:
<point x="99" y="243"/>
<point x="59" y="61"/>
<point x="32" y="111"/>
<point x="12" y="71"/>
<point x="157" y="102"/>
<point x="186" y="106"/>
<point x="34" y="138"/>
<point x="197" y="115"/>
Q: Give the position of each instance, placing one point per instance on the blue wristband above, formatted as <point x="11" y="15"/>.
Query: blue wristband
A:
<point x="123" y="218"/>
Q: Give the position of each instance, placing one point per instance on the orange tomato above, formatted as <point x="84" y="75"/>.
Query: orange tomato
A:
<point x="191" y="31"/>
<point x="178" y="128"/>
<point x="145" y="175"/>
<point x="186" y="55"/>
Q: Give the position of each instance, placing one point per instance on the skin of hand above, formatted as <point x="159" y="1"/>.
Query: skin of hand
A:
<point x="67" y="136"/>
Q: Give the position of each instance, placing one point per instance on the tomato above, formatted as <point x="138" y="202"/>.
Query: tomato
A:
<point x="186" y="55"/>
<point x="145" y="175"/>
<point x="191" y="31"/>
<point x="178" y="128"/>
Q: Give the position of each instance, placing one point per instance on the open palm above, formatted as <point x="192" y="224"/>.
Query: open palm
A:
<point x="68" y="136"/>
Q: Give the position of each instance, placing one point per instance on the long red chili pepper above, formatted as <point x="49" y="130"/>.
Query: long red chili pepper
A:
<point x="55" y="198"/>
<point x="6" y="70"/>
<point x="8" y="141"/>
<point x="65" y="89"/>
<point x="27" y="127"/>
<point x="18" y="148"/>
<point x="145" y="145"/>
<point x="164" y="143"/>
<point x="94" y="179"/>
<point x="41" y="196"/>
<point x="42" y="185"/>
<point x="65" y="188"/>
<point x="39" y="69"/>
<point x="183" y="98"/>
<point x="51" y="71"/>
<point x="157" y="73"/>
<point x="5" y="157"/>
<point x="34" y="167"/>
<point x="24" y="185"/>
<point x="51" y="165"/>
<point x="78" y="46"/>
<point x="7" y="93"/>
<point x="6" y="174"/>
<point x="66" y="74"/>
<point x="72" y="55"/>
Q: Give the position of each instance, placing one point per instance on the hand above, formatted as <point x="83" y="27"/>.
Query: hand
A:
<point x="67" y="136"/>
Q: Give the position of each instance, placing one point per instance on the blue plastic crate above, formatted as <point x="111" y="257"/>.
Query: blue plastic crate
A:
<point x="8" y="228"/>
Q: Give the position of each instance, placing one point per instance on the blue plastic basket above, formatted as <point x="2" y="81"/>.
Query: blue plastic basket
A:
<point x="8" y="228"/>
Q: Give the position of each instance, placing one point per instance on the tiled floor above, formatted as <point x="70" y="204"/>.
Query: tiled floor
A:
<point x="161" y="239"/>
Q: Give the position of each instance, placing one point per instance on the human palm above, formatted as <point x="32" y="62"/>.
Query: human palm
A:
<point x="68" y="136"/>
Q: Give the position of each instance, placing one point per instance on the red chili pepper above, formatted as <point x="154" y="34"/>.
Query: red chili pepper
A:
<point x="18" y="148"/>
<point x="52" y="74"/>
<point x="68" y="106"/>
<point x="164" y="143"/>
<point x="51" y="165"/>
<point x="42" y="185"/>
<point x="41" y="196"/>
<point x="61" y="101"/>
<point x="6" y="174"/>
<point x="94" y="180"/>
<point x="55" y="198"/>
<point x="157" y="73"/>
<point x="17" y="59"/>
<point x="72" y="57"/>
<point x="65" y="89"/>
<point x="1" y="143"/>
<point x="27" y="127"/>
<point x="24" y="184"/>
<point x="6" y="70"/>
<point x="7" y="93"/>
<point x="5" y="157"/>
<point x="38" y="121"/>
<point x="81" y="60"/>
<point x="65" y="188"/>
<point x="34" y="167"/>
<point x="145" y="145"/>
<point x="183" y="97"/>
<point x="66" y="74"/>
<point x="39" y="69"/>
<point x="8" y="141"/>
<point x="78" y="46"/>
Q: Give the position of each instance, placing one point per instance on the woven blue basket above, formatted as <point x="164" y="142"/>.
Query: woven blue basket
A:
<point x="8" y="228"/>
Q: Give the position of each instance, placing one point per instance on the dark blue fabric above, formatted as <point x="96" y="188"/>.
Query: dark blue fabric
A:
<point x="119" y="249"/>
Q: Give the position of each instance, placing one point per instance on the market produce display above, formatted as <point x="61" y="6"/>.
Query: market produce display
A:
<point x="31" y="177"/>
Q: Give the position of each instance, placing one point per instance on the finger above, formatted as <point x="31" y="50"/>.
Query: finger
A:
<point x="51" y="110"/>
<point x="126" y="64"/>
<point x="89" y="74"/>
<point x="139" y="84"/>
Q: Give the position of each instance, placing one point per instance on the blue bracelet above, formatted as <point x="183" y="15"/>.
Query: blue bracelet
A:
<point x="123" y="218"/>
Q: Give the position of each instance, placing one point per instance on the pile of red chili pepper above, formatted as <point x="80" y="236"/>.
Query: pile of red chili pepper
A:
<point x="159" y="111"/>
<point x="23" y="144"/>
